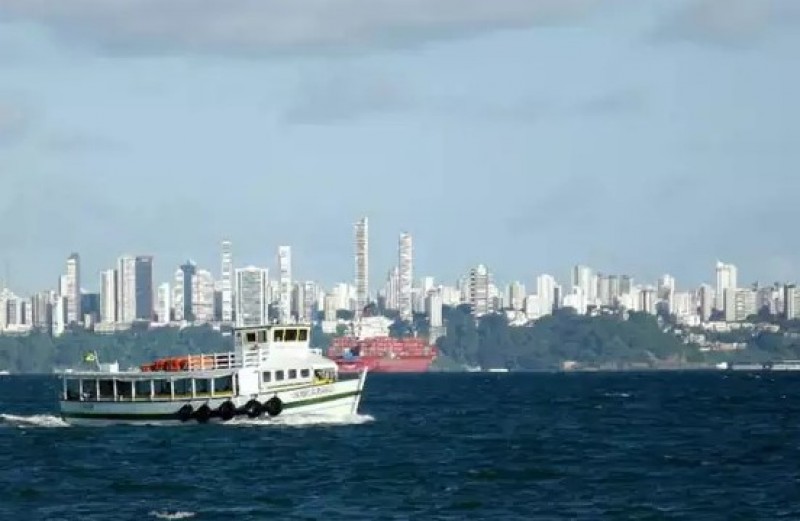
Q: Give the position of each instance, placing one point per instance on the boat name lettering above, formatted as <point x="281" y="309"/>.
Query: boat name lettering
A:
<point x="314" y="391"/>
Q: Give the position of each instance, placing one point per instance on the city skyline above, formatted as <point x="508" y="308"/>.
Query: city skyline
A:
<point x="641" y="140"/>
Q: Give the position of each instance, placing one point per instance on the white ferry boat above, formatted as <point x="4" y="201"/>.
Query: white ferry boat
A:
<point x="272" y="371"/>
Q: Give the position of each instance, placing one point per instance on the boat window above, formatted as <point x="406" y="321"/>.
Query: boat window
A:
<point x="266" y="376"/>
<point x="223" y="384"/>
<point x="278" y="376"/>
<point x="277" y="335"/>
<point x="73" y="389"/>
<point x="202" y="386"/>
<point x="303" y="335"/>
<point x="262" y="336"/>
<point x="305" y="373"/>
<point x="292" y="374"/>
<point x="238" y="337"/>
<point x="125" y="390"/>
<point x="106" y="389"/>
<point x="251" y="337"/>
<point x="183" y="387"/>
<point x="291" y="335"/>
<point x="142" y="389"/>
<point x="89" y="389"/>
<point x="162" y="388"/>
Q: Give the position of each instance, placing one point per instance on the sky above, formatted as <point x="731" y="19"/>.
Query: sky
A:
<point x="635" y="136"/>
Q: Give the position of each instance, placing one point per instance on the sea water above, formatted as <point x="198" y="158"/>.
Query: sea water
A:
<point x="709" y="445"/>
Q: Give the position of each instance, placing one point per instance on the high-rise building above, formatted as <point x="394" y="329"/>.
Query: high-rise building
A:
<point x="583" y="278"/>
<point x="392" y="291"/>
<point x="183" y="292"/>
<point x="433" y="308"/>
<point x="516" y="296"/>
<point x="706" y="302"/>
<point x="203" y="296"/>
<point x="739" y="304"/>
<point x="310" y="299"/>
<point x="726" y="279"/>
<point x="362" y="264"/>
<point x="546" y="293"/>
<point x="405" y="265"/>
<point x="72" y="290"/>
<point x="666" y="287"/>
<point x="134" y="288"/>
<point x="144" y="287"/>
<point x="164" y="304"/>
<point x="479" y="281"/>
<point x="226" y="282"/>
<point x="791" y="302"/>
<point x="251" y="294"/>
<point x="603" y="289"/>
<point x="285" y="284"/>
<point x="108" y="296"/>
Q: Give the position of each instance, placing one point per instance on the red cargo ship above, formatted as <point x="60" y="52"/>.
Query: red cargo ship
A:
<point x="372" y="348"/>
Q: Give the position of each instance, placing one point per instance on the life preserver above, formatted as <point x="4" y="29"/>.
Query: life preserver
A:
<point x="253" y="409"/>
<point x="227" y="410"/>
<point x="273" y="406"/>
<point x="203" y="413"/>
<point x="185" y="412"/>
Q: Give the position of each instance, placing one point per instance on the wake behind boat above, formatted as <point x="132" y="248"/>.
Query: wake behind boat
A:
<point x="272" y="371"/>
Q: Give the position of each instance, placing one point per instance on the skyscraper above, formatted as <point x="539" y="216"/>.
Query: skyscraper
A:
<point x="251" y="293"/>
<point x="479" y="290"/>
<point x="362" y="264"/>
<point x="546" y="291"/>
<point x="726" y="279"/>
<point x="285" y="284"/>
<point x="164" y="304"/>
<point x="72" y="289"/>
<point x="108" y="296"/>
<point x="405" y="253"/>
<point x="226" y="282"/>
<point x="202" y="296"/>
<point x="183" y="292"/>
<point x="134" y="288"/>
<point x="582" y="279"/>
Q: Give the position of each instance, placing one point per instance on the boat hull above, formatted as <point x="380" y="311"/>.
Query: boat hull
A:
<point x="339" y="398"/>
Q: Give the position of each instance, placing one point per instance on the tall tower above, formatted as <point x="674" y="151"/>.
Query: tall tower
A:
<point x="405" y="265"/>
<point x="72" y="289"/>
<point x="726" y="279"/>
<point x="251" y="292"/>
<point x="108" y="296"/>
<point x="226" y="282"/>
<point x="285" y="284"/>
<point x="362" y="264"/>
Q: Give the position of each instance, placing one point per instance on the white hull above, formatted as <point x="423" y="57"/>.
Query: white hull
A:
<point x="339" y="398"/>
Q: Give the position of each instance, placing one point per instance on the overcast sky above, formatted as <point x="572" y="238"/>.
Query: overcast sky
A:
<point x="636" y="136"/>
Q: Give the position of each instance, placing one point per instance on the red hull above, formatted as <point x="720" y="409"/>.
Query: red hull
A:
<point x="385" y="365"/>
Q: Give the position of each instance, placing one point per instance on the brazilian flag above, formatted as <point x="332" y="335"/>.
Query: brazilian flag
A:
<point x="90" y="357"/>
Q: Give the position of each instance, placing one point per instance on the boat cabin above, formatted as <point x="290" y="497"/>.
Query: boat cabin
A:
<point x="265" y="359"/>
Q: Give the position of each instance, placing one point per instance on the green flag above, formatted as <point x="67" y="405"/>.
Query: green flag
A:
<point x="90" y="357"/>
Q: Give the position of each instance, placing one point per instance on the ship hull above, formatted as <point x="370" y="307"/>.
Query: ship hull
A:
<point x="385" y="365"/>
<point x="339" y="398"/>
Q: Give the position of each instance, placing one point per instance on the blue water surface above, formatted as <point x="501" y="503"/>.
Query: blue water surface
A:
<point x="709" y="445"/>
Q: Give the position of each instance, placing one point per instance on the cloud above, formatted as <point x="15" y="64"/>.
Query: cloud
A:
<point x="264" y="26"/>
<point x="727" y="23"/>
<point x="345" y="97"/>
<point x="15" y="121"/>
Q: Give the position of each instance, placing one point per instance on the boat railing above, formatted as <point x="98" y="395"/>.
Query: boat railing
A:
<point x="208" y="362"/>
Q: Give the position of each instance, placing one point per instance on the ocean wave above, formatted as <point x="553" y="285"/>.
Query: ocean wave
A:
<point x="34" y="420"/>
<point x="302" y="420"/>
<point x="173" y="515"/>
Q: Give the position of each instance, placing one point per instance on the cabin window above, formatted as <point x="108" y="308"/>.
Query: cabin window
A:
<point x="106" y="389"/>
<point x="291" y="335"/>
<point x="278" y="376"/>
<point x="292" y="374"/>
<point x="202" y="386"/>
<point x="162" y="388"/>
<point x="277" y="335"/>
<point x="125" y="390"/>
<point x="302" y="335"/>
<point x="239" y="337"/>
<point x="266" y="377"/>
<point x="251" y="337"/>
<point x="73" y="390"/>
<point x="142" y="389"/>
<point x="223" y="384"/>
<point x="262" y="336"/>
<point x="305" y="373"/>
<point x="183" y="387"/>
